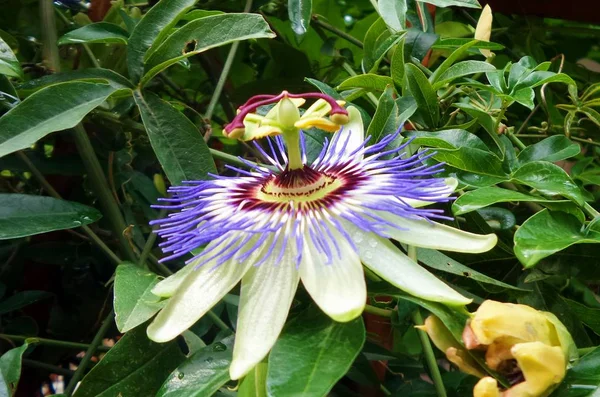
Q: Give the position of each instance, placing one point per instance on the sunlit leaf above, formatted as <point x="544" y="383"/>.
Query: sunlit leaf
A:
<point x="546" y="233"/>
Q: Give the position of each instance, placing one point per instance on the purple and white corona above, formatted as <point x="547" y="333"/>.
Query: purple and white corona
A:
<point x="291" y="221"/>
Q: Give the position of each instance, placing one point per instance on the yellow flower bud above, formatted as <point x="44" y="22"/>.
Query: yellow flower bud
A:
<point x="495" y="320"/>
<point x="543" y="368"/>
<point x="530" y="348"/>
<point x="486" y="387"/>
<point x="519" y="340"/>
<point x="159" y="184"/>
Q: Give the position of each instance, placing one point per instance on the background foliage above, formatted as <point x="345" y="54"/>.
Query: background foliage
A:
<point x="105" y="104"/>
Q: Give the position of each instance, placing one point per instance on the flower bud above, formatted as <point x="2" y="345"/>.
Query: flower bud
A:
<point x="159" y="184"/>
<point x="486" y="387"/>
<point x="530" y="348"/>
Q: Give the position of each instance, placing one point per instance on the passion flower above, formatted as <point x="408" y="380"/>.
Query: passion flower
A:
<point x="318" y="222"/>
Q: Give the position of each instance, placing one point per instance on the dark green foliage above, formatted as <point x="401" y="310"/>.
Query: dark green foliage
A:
<point x="129" y="104"/>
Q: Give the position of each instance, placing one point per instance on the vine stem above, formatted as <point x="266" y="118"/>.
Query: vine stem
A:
<point x="49" y="36"/>
<point x="51" y="342"/>
<point x="217" y="320"/>
<point x="378" y="311"/>
<point x="150" y="241"/>
<point x="108" y="321"/>
<point x="101" y="189"/>
<point x="82" y="141"/>
<point x="417" y="319"/>
<point x="591" y="211"/>
<point x="511" y="136"/>
<point x="50" y="190"/>
<point x="53" y="369"/>
<point x="222" y="79"/>
<point x="351" y="39"/>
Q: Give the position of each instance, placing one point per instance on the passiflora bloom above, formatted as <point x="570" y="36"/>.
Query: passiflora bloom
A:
<point x="530" y="348"/>
<point x="289" y="221"/>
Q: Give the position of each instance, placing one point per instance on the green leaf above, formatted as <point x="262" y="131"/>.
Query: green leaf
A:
<point x="408" y="106"/>
<point x="450" y="3"/>
<point x="462" y="150"/>
<point x="197" y="14"/>
<point x="420" y="88"/>
<point x="203" y="34"/>
<point x="384" y="119"/>
<point x="8" y="95"/>
<point x="312" y="354"/>
<point x="583" y="379"/>
<point x="587" y="315"/>
<point x="24" y="215"/>
<point x="134" y="301"/>
<point x="548" y="232"/>
<point x="255" y="383"/>
<point x="300" y="13"/>
<point x="42" y="113"/>
<point x="9" y="64"/>
<point x="446" y="44"/>
<point x="100" y="32"/>
<point x="178" y="144"/>
<point x="156" y="23"/>
<point x="10" y="370"/>
<point x="93" y="75"/>
<point x="201" y="374"/>
<point x="135" y="366"/>
<point x="461" y="69"/>
<point x="538" y="78"/>
<point x="486" y="121"/>
<point x="486" y="196"/>
<point x="436" y="260"/>
<point x="22" y="299"/>
<point x="378" y="41"/>
<point x="566" y="206"/>
<point x="548" y="179"/>
<point x="370" y="82"/>
<point x="418" y="43"/>
<point x="393" y="12"/>
<point x="593" y="115"/>
<point x="397" y="67"/>
<point x="554" y="148"/>
<point x="452" y="58"/>
<point x="324" y="88"/>
<point x="525" y="97"/>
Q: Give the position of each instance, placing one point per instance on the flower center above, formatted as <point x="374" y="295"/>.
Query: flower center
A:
<point x="303" y="185"/>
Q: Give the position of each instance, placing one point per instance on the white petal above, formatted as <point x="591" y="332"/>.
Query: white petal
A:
<point x="266" y="296"/>
<point x="452" y="183"/>
<point x="422" y="233"/>
<point x="391" y="264"/>
<point x="353" y="132"/>
<point x="339" y="287"/>
<point x="197" y="294"/>
<point x="167" y="287"/>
